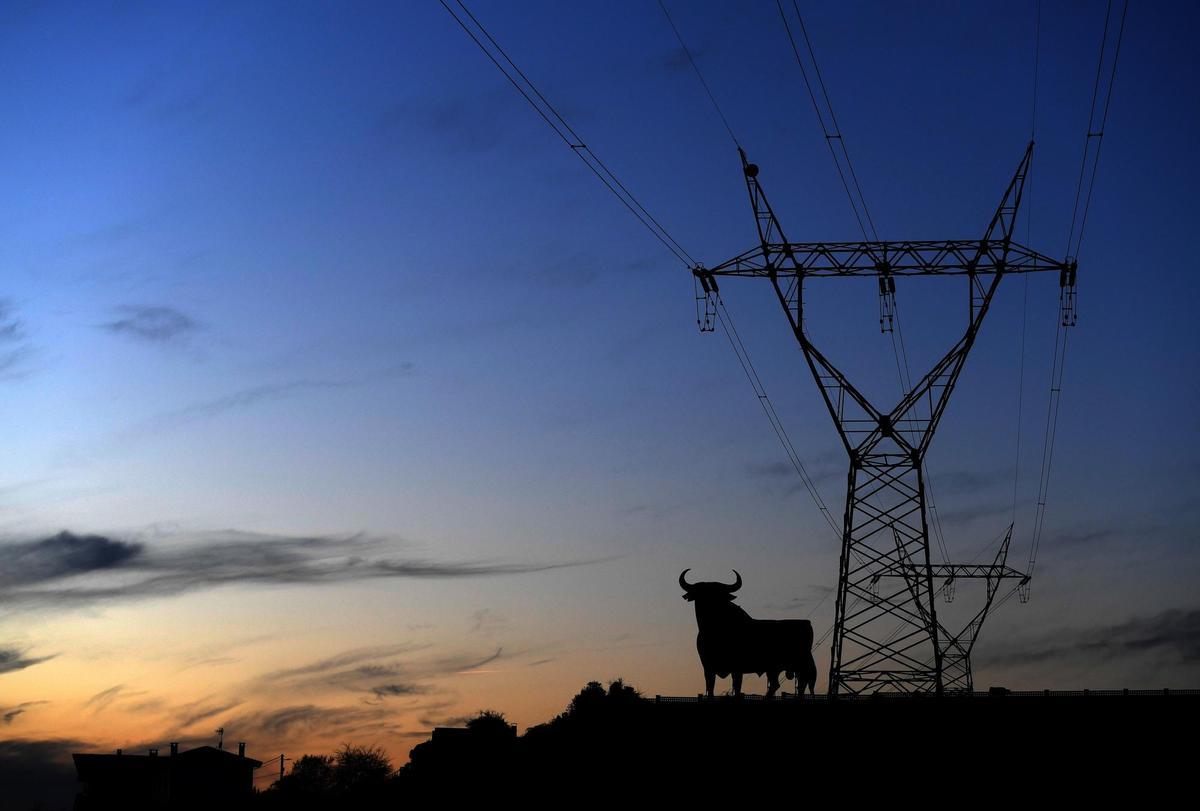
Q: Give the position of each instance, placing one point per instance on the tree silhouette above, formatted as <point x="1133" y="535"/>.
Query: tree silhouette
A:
<point x="311" y="776"/>
<point x="594" y="700"/>
<point x="360" y="769"/>
<point x="354" y="776"/>
<point x="489" y="721"/>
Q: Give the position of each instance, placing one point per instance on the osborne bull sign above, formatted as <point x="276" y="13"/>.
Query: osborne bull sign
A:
<point x="732" y="643"/>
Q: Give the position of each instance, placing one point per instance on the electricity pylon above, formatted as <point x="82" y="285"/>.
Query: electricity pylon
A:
<point x="956" y="647"/>
<point x="886" y="576"/>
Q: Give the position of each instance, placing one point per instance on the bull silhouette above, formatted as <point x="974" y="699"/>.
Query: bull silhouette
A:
<point x="732" y="643"/>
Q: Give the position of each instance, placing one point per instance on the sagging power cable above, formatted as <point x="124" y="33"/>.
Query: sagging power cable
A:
<point x="731" y="333"/>
<point x="1037" y="54"/>
<point x="688" y="53"/>
<point x="830" y="129"/>
<point x="548" y="113"/>
<point x="1091" y="157"/>
<point x="563" y="130"/>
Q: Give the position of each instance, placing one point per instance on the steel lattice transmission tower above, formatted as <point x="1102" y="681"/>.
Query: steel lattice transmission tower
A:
<point x="886" y="632"/>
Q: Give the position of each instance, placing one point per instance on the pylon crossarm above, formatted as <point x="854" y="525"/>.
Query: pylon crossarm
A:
<point x="954" y="257"/>
<point x="957" y="571"/>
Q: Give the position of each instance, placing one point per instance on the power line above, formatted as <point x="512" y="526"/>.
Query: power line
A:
<point x="739" y="350"/>
<point x="548" y="113"/>
<point x="564" y="131"/>
<point x="831" y="135"/>
<point x="687" y="51"/>
<point x="1058" y="361"/>
<point x="731" y="333"/>
<point x="857" y="201"/>
<point x="1092" y="132"/>
<point x="1056" y="379"/>
<point x="1037" y="53"/>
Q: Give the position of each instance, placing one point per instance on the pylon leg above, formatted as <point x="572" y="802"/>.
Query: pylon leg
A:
<point x="885" y="631"/>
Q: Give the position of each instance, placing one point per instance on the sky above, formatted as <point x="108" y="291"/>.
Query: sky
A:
<point x="343" y="402"/>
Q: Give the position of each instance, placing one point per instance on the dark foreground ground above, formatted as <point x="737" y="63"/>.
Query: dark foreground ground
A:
<point x="615" y="748"/>
<point x="985" y="748"/>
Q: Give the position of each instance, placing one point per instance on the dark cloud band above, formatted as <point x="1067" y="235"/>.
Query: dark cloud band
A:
<point x="154" y="324"/>
<point x="13" y="659"/>
<point x="67" y="570"/>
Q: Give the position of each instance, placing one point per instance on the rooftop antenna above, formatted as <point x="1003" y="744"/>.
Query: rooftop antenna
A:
<point x="221" y="738"/>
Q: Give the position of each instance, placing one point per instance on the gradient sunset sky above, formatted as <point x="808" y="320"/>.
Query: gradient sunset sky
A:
<point x="343" y="402"/>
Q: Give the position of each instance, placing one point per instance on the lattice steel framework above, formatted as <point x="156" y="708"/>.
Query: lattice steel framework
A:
<point x="956" y="647"/>
<point x="886" y="632"/>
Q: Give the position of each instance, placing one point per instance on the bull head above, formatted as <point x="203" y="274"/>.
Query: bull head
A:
<point x="709" y="591"/>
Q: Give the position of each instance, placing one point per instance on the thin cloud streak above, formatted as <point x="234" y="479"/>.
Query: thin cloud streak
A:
<point x="13" y="659"/>
<point x="9" y="714"/>
<point x="1173" y="635"/>
<point x="249" y="397"/>
<point x="344" y="659"/>
<point x="200" y="713"/>
<point x="68" y="570"/>
<point x="15" y="350"/>
<point x="157" y="324"/>
<point x="101" y="700"/>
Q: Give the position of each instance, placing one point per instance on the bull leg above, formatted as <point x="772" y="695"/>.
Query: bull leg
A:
<point x="737" y="683"/>
<point x="772" y="684"/>
<point x="710" y="680"/>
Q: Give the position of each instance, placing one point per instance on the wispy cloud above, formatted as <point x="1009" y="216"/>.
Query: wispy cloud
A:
<point x="13" y="659"/>
<point x="66" y="570"/>
<point x="11" y="327"/>
<point x="243" y="398"/>
<point x="770" y="470"/>
<point x="301" y="718"/>
<point x="676" y="60"/>
<point x="966" y="515"/>
<point x="101" y="700"/>
<point x="156" y="324"/>
<point x="203" y="709"/>
<point x="251" y="396"/>
<point x="952" y="482"/>
<point x="821" y="468"/>
<point x="1173" y="634"/>
<point x="59" y="556"/>
<point x="819" y="593"/>
<point x="461" y="665"/>
<point x="1100" y="532"/>
<point x="486" y="622"/>
<point x="398" y="689"/>
<point x="15" y="349"/>
<point x="344" y="659"/>
<point x="461" y="125"/>
<point x="9" y="714"/>
<point x="380" y="672"/>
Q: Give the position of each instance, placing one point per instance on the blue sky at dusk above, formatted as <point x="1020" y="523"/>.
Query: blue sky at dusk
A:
<point x="315" y="276"/>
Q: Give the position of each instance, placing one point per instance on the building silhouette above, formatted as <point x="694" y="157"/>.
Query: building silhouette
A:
<point x="205" y="777"/>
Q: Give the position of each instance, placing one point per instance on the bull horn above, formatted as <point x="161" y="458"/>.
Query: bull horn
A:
<point x="683" y="584"/>
<point x="736" y="585"/>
